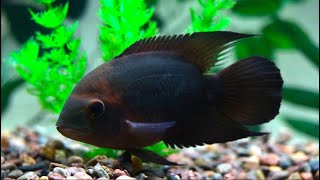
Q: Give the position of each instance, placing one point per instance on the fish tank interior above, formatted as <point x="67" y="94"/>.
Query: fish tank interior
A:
<point x="47" y="46"/>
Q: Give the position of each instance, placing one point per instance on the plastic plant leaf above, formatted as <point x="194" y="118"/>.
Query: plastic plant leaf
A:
<point x="306" y="126"/>
<point x="210" y="18"/>
<point x="257" y="8"/>
<point x="161" y="149"/>
<point x="285" y="34"/>
<point x="46" y="2"/>
<point x="124" y="22"/>
<point x="277" y="37"/>
<point x="302" y="97"/>
<point x="59" y="37"/>
<point x="254" y="47"/>
<point x="51" y="18"/>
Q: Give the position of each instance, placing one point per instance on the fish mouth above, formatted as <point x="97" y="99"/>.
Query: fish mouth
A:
<point x="73" y="132"/>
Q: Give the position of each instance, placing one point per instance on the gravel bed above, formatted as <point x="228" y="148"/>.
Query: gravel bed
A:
<point x="25" y="154"/>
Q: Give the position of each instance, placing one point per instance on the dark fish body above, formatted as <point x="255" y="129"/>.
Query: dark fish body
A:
<point x="158" y="89"/>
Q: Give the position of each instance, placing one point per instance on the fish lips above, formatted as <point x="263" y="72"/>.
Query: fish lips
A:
<point x="73" y="133"/>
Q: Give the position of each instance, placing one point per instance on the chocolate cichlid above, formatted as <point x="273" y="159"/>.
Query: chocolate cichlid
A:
<point x="159" y="89"/>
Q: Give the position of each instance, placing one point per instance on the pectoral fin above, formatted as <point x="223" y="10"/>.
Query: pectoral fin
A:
<point x="148" y="129"/>
<point x="150" y="156"/>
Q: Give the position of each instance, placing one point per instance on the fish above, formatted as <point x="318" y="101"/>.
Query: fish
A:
<point x="161" y="89"/>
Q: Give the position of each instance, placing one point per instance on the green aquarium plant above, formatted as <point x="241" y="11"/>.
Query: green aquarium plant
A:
<point x="124" y="22"/>
<point x="210" y="18"/>
<point x="51" y="63"/>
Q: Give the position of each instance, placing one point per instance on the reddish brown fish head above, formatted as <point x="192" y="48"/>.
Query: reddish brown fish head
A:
<point x="84" y="118"/>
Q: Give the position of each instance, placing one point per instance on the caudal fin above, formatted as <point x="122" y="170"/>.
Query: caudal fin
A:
<point x="251" y="91"/>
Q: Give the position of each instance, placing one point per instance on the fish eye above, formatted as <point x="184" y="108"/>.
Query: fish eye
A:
<point x="96" y="108"/>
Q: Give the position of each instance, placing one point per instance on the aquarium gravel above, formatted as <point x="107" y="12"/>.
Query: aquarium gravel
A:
<point x="26" y="154"/>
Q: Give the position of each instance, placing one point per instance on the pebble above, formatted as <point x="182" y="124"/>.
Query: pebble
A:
<point x="125" y="177"/>
<point x="285" y="161"/>
<point x="15" y="173"/>
<point x="44" y="178"/>
<point x="251" y="162"/>
<point x="208" y="174"/>
<point x="48" y="153"/>
<point x="275" y="168"/>
<point x="270" y="159"/>
<point x="255" y="150"/>
<point x="117" y="172"/>
<point x="224" y="168"/>
<point x="278" y="175"/>
<point x="74" y="159"/>
<point x="73" y="170"/>
<point x="299" y="157"/>
<point x="62" y="171"/>
<point x="99" y="171"/>
<point x="97" y="159"/>
<point x="217" y="176"/>
<point x="8" y="165"/>
<point x="71" y="178"/>
<point x="295" y="176"/>
<point x="306" y="175"/>
<point x="82" y="176"/>
<point x="305" y="167"/>
<point x="103" y="178"/>
<point x="157" y="172"/>
<point x="142" y="176"/>
<point x="55" y="176"/>
<point x="53" y="165"/>
<point x="27" y="160"/>
<point x="314" y="164"/>
<point x="190" y="174"/>
<point x="242" y="175"/>
<point x="29" y="176"/>
<point x="259" y="174"/>
<point x="59" y="156"/>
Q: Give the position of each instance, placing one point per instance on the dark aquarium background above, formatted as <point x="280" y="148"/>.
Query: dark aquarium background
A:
<point x="44" y="54"/>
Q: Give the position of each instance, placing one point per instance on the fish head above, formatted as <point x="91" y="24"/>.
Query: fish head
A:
<point x="87" y="116"/>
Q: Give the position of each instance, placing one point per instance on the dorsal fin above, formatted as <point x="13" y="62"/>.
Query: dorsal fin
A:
<point x="202" y="48"/>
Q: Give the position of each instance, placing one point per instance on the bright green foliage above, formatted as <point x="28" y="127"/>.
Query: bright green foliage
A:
<point x="161" y="149"/>
<point x="58" y="37"/>
<point x="124" y="22"/>
<point x="51" y="64"/>
<point x="51" y="18"/>
<point x="210" y="18"/>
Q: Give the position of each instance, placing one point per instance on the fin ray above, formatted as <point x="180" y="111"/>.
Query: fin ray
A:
<point x="201" y="48"/>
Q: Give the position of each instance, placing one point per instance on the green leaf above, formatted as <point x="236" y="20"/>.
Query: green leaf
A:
<point x="124" y="22"/>
<point x="257" y="7"/>
<point x="300" y="96"/>
<point x="255" y="46"/>
<point x="51" y="18"/>
<point x="308" y="127"/>
<point x="288" y="35"/>
<point x="161" y="149"/>
<point x="210" y="18"/>
<point x="58" y="38"/>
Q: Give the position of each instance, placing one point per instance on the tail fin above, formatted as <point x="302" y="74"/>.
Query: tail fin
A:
<point x="251" y="91"/>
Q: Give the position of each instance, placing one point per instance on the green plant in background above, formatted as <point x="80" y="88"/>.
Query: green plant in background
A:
<point x="210" y="18"/>
<point x="124" y="22"/>
<point x="282" y="35"/>
<point x="51" y="63"/>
